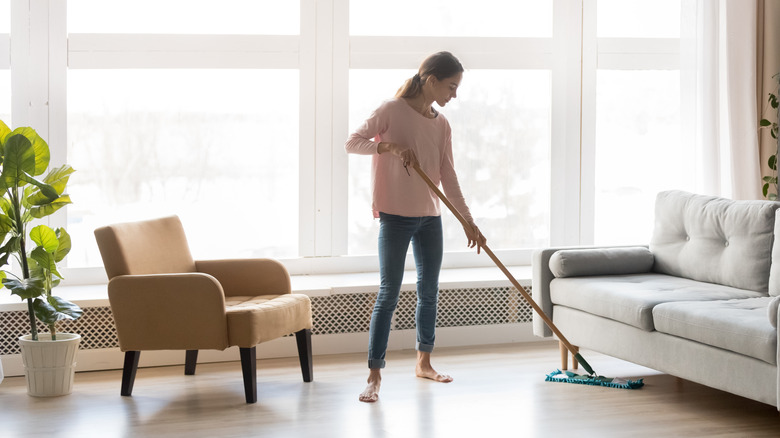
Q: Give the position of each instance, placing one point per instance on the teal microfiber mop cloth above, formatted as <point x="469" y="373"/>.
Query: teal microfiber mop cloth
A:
<point x="569" y="377"/>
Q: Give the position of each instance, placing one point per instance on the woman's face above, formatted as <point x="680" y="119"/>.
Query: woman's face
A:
<point x="444" y="90"/>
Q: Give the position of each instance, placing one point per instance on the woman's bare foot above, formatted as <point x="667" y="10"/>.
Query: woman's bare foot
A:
<point x="426" y="371"/>
<point x="371" y="393"/>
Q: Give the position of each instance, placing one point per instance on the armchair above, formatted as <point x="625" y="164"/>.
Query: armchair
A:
<point x="163" y="299"/>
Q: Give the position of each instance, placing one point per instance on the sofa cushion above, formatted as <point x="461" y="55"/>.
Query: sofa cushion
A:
<point x="772" y="311"/>
<point x="774" y="271"/>
<point x="740" y="326"/>
<point x="601" y="261"/>
<point x="713" y="239"/>
<point x="630" y="298"/>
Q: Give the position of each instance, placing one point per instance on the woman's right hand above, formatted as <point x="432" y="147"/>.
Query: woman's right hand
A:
<point x="407" y="156"/>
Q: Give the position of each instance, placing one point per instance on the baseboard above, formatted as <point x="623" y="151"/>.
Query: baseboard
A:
<point x="113" y="358"/>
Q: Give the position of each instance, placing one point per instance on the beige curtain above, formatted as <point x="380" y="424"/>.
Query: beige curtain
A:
<point x="767" y="65"/>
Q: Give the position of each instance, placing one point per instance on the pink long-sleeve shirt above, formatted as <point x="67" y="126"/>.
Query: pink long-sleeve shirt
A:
<point x="395" y="192"/>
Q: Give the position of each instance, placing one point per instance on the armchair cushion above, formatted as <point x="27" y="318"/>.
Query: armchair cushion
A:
<point x="252" y="320"/>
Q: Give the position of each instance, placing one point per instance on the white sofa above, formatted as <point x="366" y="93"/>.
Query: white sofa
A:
<point x="699" y="302"/>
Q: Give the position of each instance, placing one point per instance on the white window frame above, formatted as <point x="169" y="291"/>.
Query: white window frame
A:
<point x="41" y="52"/>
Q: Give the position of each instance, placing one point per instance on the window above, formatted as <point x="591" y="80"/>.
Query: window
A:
<point x="501" y="120"/>
<point x="492" y="18"/>
<point x="637" y="127"/>
<point x="5" y="73"/>
<point x="233" y="115"/>
<point x="224" y="158"/>
<point x="185" y="17"/>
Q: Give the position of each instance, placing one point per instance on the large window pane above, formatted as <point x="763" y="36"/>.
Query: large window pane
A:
<point x="219" y="148"/>
<point x="5" y="97"/>
<point x="5" y="16"/>
<point x="487" y="18"/>
<point x="264" y="17"/>
<point x="501" y="144"/>
<point x="638" y="19"/>
<point x="638" y="151"/>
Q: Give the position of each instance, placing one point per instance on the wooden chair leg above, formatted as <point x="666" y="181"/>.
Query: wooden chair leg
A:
<point x="190" y="361"/>
<point x="574" y="363"/>
<point x="564" y="356"/>
<point x="303" y="339"/>
<point x="128" y="372"/>
<point x="249" y="369"/>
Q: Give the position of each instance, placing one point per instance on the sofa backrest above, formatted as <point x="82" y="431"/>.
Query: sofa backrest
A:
<point x="712" y="239"/>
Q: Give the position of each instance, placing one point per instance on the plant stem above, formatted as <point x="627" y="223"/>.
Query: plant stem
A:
<point x="33" y="325"/>
<point x="23" y="256"/>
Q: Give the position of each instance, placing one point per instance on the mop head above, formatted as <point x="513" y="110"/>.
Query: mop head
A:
<point x="569" y="377"/>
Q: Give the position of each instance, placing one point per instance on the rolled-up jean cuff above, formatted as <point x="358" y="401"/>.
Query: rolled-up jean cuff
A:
<point x="425" y="348"/>
<point x="376" y="363"/>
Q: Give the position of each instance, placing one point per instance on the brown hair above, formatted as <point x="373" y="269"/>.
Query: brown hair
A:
<point x="440" y="65"/>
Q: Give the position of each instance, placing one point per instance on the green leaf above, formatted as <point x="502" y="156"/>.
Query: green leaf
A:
<point x="64" y="247"/>
<point x="26" y="288"/>
<point x="55" y="309"/>
<point x="765" y="189"/>
<point x="772" y="162"/>
<point x="773" y="197"/>
<point x="45" y="260"/>
<point x="57" y="179"/>
<point x="18" y="160"/>
<point x="45" y="237"/>
<point x="40" y="149"/>
<point x="4" y="131"/>
<point x="764" y="122"/>
<point x="40" y="211"/>
<point x="767" y="179"/>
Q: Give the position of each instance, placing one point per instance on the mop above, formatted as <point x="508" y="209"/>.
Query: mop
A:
<point x="557" y="376"/>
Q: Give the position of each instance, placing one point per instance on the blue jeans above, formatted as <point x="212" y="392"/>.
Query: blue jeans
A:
<point x="395" y="233"/>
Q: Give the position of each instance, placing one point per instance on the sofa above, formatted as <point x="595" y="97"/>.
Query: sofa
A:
<point x="700" y="302"/>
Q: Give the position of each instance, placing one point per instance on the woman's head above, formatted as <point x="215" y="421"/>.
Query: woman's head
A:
<point x="434" y="70"/>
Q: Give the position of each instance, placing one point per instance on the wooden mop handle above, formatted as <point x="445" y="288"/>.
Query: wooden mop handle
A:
<point x="500" y="265"/>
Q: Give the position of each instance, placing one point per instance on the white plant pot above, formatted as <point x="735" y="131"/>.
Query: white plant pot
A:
<point x="49" y="365"/>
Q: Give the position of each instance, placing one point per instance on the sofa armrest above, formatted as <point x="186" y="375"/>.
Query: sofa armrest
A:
<point x="168" y="312"/>
<point x="542" y="274"/>
<point x="248" y="277"/>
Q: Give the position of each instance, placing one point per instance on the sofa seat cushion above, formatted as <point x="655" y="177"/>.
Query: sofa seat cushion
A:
<point x="630" y="298"/>
<point x="252" y="320"/>
<point x="740" y="326"/>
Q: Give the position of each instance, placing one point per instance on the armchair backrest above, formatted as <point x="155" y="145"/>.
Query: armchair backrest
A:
<point x="156" y="246"/>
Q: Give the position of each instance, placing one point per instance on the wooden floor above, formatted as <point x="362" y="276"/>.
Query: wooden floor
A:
<point x="498" y="391"/>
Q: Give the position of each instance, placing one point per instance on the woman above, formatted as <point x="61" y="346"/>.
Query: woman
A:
<point x="401" y="133"/>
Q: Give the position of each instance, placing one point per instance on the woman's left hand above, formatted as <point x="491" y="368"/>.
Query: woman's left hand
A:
<point x="476" y="239"/>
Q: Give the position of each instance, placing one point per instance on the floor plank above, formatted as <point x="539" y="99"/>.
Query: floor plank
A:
<point x="498" y="390"/>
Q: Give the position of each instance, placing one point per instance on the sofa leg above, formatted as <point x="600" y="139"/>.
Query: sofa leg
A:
<point x="190" y="361"/>
<point x="303" y="339"/>
<point x="128" y="372"/>
<point x="564" y="356"/>
<point x="249" y="370"/>
<point x="574" y="363"/>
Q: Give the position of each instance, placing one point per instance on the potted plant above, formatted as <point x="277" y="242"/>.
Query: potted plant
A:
<point x="772" y="125"/>
<point x="24" y="157"/>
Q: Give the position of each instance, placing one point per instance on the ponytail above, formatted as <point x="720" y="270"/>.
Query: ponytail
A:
<point x="440" y="65"/>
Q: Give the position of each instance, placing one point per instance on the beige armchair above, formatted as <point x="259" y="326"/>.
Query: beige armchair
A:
<point x="162" y="299"/>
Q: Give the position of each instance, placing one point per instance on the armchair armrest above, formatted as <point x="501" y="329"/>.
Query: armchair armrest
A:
<point x="168" y="312"/>
<point x="248" y="277"/>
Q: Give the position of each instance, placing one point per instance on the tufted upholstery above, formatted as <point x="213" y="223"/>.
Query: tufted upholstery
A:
<point x="162" y="299"/>
<point x="715" y="240"/>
